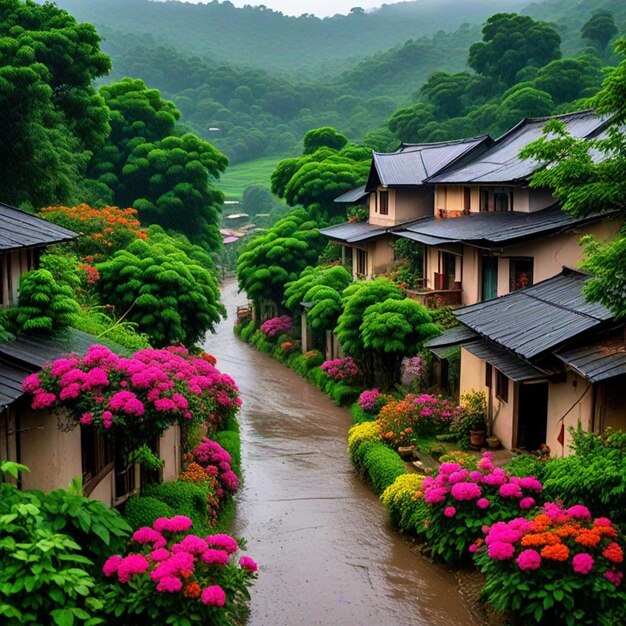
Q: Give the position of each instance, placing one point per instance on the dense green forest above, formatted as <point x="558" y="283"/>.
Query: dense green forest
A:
<point x="264" y="79"/>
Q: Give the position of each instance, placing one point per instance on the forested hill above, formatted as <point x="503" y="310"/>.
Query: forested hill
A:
<point x="262" y="38"/>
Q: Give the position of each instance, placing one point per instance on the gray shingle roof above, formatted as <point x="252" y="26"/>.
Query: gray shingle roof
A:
<point x="19" y="229"/>
<point x="510" y="365"/>
<point x="354" y="195"/>
<point x="412" y="164"/>
<point x="453" y="336"/>
<point x="353" y="232"/>
<point x="492" y="228"/>
<point x="501" y="163"/>
<point x="598" y="360"/>
<point x="539" y="318"/>
<point x="11" y="379"/>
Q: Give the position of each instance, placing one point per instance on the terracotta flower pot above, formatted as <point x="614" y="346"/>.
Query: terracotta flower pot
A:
<point x="477" y="438"/>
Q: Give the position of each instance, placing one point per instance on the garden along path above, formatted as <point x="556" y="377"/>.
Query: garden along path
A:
<point x="326" y="553"/>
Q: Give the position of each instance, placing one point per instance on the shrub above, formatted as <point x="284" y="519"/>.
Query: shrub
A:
<point x="144" y="510"/>
<point x="277" y="326"/>
<point x="359" y="434"/>
<point x="170" y="576"/>
<point x="405" y="506"/>
<point x="341" y="370"/>
<point x="472" y="417"/>
<point x="185" y="498"/>
<point x="231" y="442"/>
<point x="595" y="474"/>
<point x="313" y="358"/>
<point x="341" y="393"/>
<point x="359" y="415"/>
<point x="216" y="461"/>
<point x="298" y="364"/>
<point x="464" y="459"/>
<point x="460" y="502"/>
<point x="527" y="465"/>
<point x="248" y="331"/>
<point x="416" y="415"/>
<point x="559" y="567"/>
<point x="381" y="465"/>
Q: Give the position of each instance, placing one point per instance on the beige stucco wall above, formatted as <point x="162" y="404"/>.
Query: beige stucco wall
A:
<point x="169" y="447"/>
<point x="379" y="256"/>
<point x="473" y="372"/>
<point x="574" y="392"/>
<point x="105" y="489"/>
<point x="404" y="205"/>
<point x="528" y="200"/>
<point x="53" y="456"/>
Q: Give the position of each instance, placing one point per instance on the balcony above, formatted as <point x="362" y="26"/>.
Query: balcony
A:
<point x="448" y="292"/>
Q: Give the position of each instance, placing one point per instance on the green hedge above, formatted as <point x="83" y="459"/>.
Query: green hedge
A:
<point x="359" y="415"/>
<point x="381" y="464"/>
<point x="142" y="511"/>
<point x="231" y="442"/>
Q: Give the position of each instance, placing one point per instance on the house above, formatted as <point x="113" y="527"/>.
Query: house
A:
<point x="546" y="358"/>
<point x="41" y="440"/>
<point x="490" y="233"/>
<point x="396" y="193"/>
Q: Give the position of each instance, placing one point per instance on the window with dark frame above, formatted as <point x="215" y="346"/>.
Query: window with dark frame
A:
<point x="384" y="202"/>
<point x="484" y="200"/>
<point x="500" y="202"/>
<point x="467" y="199"/>
<point x="520" y="273"/>
<point x="97" y="457"/>
<point x="488" y="375"/>
<point x="361" y="262"/>
<point x="502" y="386"/>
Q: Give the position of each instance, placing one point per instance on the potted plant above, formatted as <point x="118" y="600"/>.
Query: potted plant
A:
<point x="474" y="406"/>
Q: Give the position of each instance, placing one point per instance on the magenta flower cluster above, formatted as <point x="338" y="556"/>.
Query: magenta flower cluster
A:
<point x="414" y="365"/>
<point x="144" y="393"/>
<point x="341" y="370"/>
<point x="277" y="326"/>
<point x="455" y="484"/>
<point x="367" y="400"/>
<point x="179" y="562"/>
<point x="217" y="462"/>
<point x="434" y="411"/>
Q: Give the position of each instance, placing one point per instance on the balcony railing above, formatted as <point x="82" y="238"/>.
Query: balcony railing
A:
<point x="435" y="298"/>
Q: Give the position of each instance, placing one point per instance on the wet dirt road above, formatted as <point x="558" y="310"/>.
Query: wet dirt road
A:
<point x="326" y="554"/>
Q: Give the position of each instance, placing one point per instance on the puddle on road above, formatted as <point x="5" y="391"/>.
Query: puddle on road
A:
<point x="326" y="554"/>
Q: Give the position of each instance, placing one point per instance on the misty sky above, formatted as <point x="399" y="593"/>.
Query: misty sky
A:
<point x="321" y="8"/>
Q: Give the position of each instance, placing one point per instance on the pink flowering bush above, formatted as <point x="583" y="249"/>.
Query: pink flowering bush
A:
<point x="216" y="462"/>
<point x="558" y="567"/>
<point x="277" y="326"/>
<point x="460" y="501"/>
<point x="136" y="397"/>
<point x="342" y="370"/>
<point x="169" y="574"/>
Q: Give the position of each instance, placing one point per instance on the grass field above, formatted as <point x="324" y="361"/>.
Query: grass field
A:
<point x="238" y="177"/>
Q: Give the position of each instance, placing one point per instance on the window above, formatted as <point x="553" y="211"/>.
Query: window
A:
<point x="361" y="262"/>
<point x="484" y="200"/>
<point x="520" y="273"/>
<point x="502" y="386"/>
<point x="488" y="375"/>
<point x="467" y="199"/>
<point x="501" y="201"/>
<point x="97" y="457"/>
<point x="384" y="202"/>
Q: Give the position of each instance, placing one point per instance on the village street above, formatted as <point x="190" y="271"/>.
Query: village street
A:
<point x="325" y="552"/>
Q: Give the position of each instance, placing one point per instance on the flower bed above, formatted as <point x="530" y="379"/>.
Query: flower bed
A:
<point x="169" y="574"/>
<point x="559" y="567"/>
<point x="342" y="370"/>
<point x="277" y="326"/>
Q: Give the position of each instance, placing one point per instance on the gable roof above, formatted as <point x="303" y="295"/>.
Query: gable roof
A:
<point x="412" y="164"/>
<point x="501" y="162"/>
<point x="354" y="232"/>
<point x="493" y="228"/>
<point x="597" y="360"/>
<point x="354" y="195"/>
<point x="539" y="318"/>
<point x="19" y="229"/>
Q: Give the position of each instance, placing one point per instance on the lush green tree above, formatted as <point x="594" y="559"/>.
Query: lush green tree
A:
<point x="324" y="137"/>
<point x="510" y="43"/>
<point x="168" y="178"/>
<point x="407" y="123"/>
<point x="446" y="92"/>
<point x="258" y="199"/>
<point x="588" y="177"/>
<point x="600" y="28"/>
<point x="315" y="180"/>
<point x="393" y="329"/>
<point x="521" y="102"/>
<point x="44" y="306"/>
<point x="166" y="286"/>
<point x="357" y="297"/>
<point x="322" y="287"/>
<point x="52" y="114"/>
<point x="272" y="259"/>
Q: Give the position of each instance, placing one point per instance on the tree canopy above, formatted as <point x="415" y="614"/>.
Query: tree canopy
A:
<point x="600" y="29"/>
<point x="589" y="177"/>
<point x="52" y="115"/>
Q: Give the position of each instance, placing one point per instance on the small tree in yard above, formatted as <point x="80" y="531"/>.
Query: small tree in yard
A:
<point x="392" y="330"/>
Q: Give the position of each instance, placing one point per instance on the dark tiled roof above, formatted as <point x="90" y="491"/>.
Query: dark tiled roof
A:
<point x="353" y="232"/>
<point x="412" y="164"/>
<point x="453" y="336"/>
<point x="536" y="319"/>
<point x="19" y="229"/>
<point x="510" y="365"/>
<point x="501" y="163"/>
<point x="354" y="195"/>
<point x="11" y="379"/>
<point x="492" y="228"/>
<point x="597" y="360"/>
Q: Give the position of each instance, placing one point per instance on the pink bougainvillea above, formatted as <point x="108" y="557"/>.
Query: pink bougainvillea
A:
<point x="140" y="395"/>
<point x="342" y="370"/>
<point x="277" y="326"/>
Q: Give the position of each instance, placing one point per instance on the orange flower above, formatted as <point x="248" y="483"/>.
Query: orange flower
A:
<point x="192" y="590"/>
<point x="540" y="539"/>
<point x="567" y="530"/>
<point x="588" y="538"/>
<point x="558" y="552"/>
<point x="613" y="553"/>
